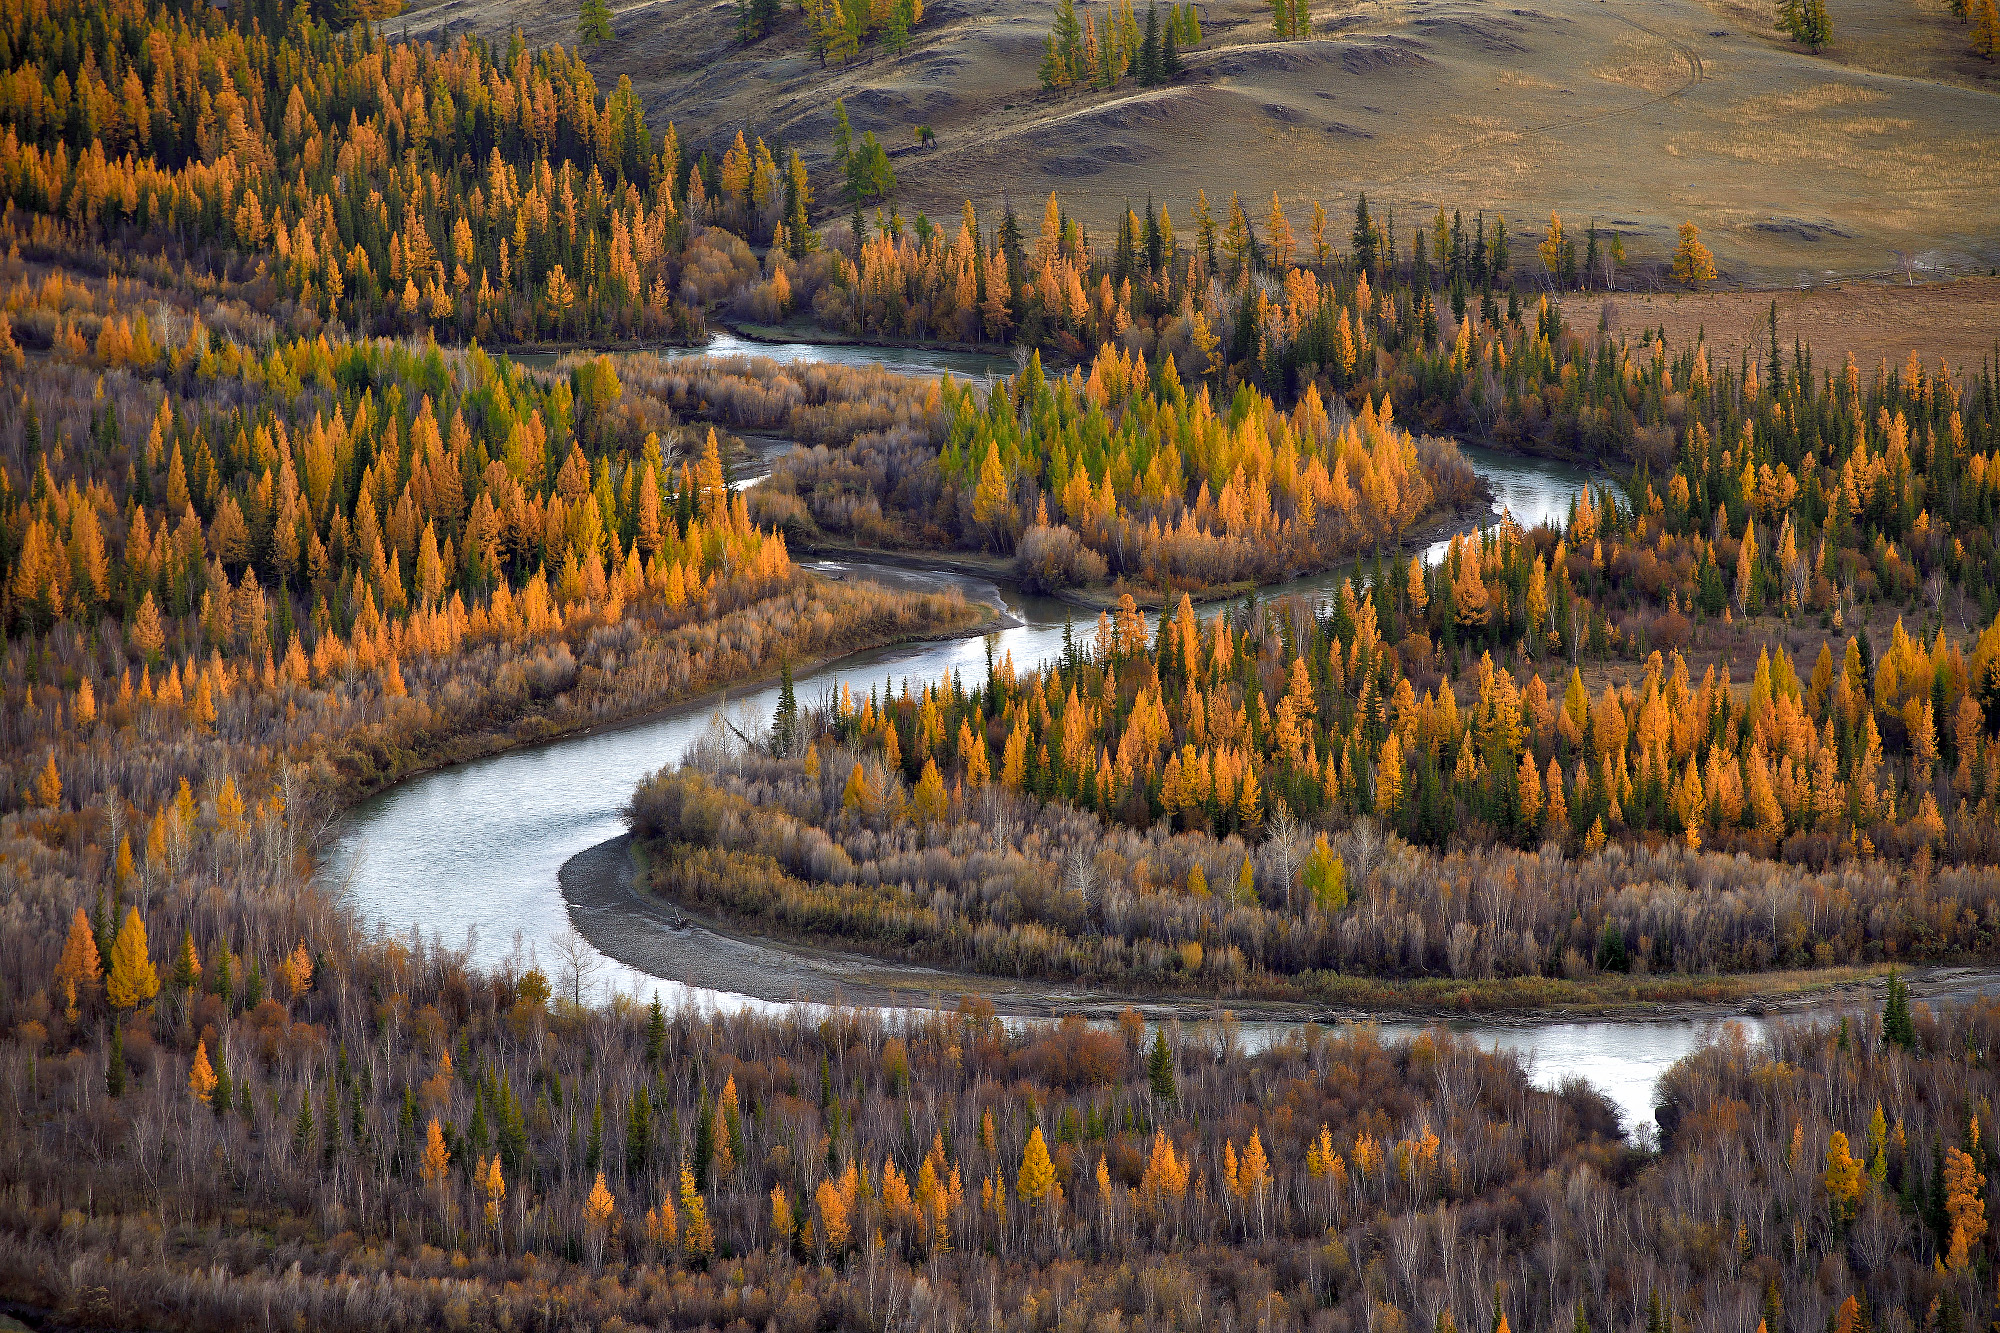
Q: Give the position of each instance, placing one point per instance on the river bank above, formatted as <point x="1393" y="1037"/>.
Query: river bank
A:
<point x="361" y="767"/>
<point x="604" y="886"/>
<point x="1426" y="539"/>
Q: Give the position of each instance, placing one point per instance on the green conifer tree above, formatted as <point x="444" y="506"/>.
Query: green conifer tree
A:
<point x="219" y="1098"/>
<point x="1364" y="236"/>
<point x="704" y="1142"/>
<point x="638" y="1133"/>
<point x="1149" y="49"/>
<point x="114" y="1063"/>
<point x="1898" y="1027"/>
<point x="1160" y="1069"/>
<point x="784" y="726"/>
<point x="656" y="1033"/>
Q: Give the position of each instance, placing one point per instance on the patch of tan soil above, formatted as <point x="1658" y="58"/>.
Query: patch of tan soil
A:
<point x="1875" y="321"/>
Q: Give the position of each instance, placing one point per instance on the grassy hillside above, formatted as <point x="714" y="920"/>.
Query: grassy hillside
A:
<point x="1641" y="116"/>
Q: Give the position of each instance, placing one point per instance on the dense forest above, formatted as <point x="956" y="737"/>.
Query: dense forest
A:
<point x="375" y="1138"/>
<point x="275" y="531"/>
<point x="1246" y="808"/>
<point x="1149" y="483"/>
<point x="1437" y="705"/>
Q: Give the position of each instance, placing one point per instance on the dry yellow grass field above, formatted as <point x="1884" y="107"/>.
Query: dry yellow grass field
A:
<point x="1638" y="115"/>
<point x="1958" y="321"/>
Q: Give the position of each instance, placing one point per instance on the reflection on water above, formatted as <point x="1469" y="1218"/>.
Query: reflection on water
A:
<point x="904" y="360"/>
<point x="1534" y="490"/>
<point x="1623" y="1059"/>
<point x="470" y="854"/>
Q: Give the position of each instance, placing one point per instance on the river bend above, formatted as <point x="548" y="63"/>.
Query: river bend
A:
<point x="472" y="854"/>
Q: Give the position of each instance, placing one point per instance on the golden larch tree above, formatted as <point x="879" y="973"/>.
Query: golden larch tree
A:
<point x="296" y="969"/>
<point x="783" y="1224"/>
<point x="1551" y="248"/>
<point x="698" y="1235"/>
<point x="133" y="979"/>
<point x="1036" y="1182"/>
<point x="1843" y="1176"/>
<point x="495" y="1188"/>
<point x="931" y="804"/>
<point x="1965" y="1205"/>
<point x="663" y="1225"/>
<point x="834" y="1224"/>
<point x="48" y="785"/>
<point x="437" y="1158"/>
<point x="600" y="1207"/>
<point x="1985" y="28"/>
<point x="1253" y="1175"/>
<point x="201" y="1078"/>
<point x="1166" y="1176"/>
<point x="1693" y="264"/>
<point x="79" y="967"/>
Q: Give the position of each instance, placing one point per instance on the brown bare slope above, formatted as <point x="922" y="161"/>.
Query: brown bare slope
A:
<point x="1640" y="115"/>
<point x="1873" y="321"/>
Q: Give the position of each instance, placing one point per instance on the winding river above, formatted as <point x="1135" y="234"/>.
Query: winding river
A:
<point x="475" y="855"/>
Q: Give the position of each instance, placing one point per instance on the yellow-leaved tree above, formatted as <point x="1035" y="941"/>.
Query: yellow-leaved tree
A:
<point x="834" y="1223"/>
<point x="930" y="806"/>
<point x="1551" y="248"/>
<point x="783" y="1225"/>
<point x="989" y="500"/>
<point x="495" y="1188"/>
<point x="698" y="1235"/>
<point x="1253" y="1177"/>
<point x="600" y="1210"/>
<point x="1166" y="1177"/>
<point x="201" y="1079"/>
<point x="663" y="1226"/>
<point x="1843" y="1176"/>
<point x="859" y="794"/>
<point x="133" y="981"/>
<point x="1037" y="1180"/>
<point x="79" y="967"/>
<point x="436" y="1156"/>
<point x="296" y="969"/>
<point x="1985" y="28"/>
<point x="1693" y="264"/>
<point x="1965" y="1205"/>
<point x="48" y="785"/>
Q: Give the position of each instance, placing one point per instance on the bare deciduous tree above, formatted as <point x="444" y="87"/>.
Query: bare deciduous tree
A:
<point x="1363" y="847"/>
<point x="577" y="963"/>
<point x="1283" y="832"/>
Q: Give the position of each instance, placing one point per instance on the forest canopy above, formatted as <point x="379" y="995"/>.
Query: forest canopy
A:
<point x="281" y="525"/>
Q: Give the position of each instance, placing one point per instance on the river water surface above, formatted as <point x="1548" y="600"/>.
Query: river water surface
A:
<point x="908" y="360"/>
<point x="471" y="854"/>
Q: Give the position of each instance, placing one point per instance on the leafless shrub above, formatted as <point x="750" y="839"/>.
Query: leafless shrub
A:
<point x="1051" y="558"/>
